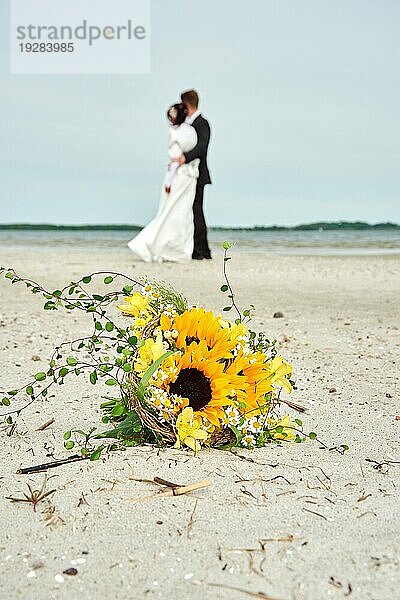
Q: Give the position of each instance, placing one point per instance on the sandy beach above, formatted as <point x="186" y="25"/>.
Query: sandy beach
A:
<point x="294" y="521"/>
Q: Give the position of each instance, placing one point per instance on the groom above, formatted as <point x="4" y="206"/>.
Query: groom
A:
<point x="191" y="100"/>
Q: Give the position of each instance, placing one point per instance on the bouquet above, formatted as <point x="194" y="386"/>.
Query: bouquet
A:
<point x="185" y="377"/>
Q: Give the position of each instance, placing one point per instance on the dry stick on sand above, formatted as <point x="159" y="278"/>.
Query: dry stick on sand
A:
<point x="51" y="465"/>
<point x="260" y="595"/>
<point x="45" y="425"/>
<point x="174" y="491"/>
<point x="293" y="405"/>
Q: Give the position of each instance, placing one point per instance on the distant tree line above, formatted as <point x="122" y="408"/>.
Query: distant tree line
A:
<point x="319" y="226"/>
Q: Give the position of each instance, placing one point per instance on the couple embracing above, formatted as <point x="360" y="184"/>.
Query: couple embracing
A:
<point x="178" y="233"/>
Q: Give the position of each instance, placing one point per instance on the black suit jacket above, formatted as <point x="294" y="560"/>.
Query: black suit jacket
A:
<point x="202" y="127"/>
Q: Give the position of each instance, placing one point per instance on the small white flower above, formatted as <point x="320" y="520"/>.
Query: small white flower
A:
<point x="255" y="425"/>
<point x="248" y="441"/>
<point x="233" y="415"/>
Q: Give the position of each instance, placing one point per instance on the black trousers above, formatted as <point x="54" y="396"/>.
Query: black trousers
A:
<point x="201" y="248"/>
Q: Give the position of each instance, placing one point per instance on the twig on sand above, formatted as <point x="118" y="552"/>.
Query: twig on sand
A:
<point x="161" y="481"/>
<point x="313" y="512"/>
<point x="191" y="521"/>
<point x="11" y="430"/>
<point x="260" y="595"/>
<point x="293" y="405"/>
<point x="174" y="491"/>
<point x="378" y="465"/>
<point x="35" y="496"/>
<point x="286" y="538"/>
<point x="45" y="425"/>
<point x="157" y="480"/>
<point x="51" y="465"/>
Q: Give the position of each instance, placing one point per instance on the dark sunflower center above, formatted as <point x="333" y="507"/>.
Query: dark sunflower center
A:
<point x="191" y="338"/>
<point x="193" y="385"/>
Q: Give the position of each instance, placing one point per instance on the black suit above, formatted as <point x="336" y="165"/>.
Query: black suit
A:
<point x="202" y="127"/>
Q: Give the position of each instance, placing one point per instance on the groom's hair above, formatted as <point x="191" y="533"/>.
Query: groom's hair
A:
<point x="190" y="97"/>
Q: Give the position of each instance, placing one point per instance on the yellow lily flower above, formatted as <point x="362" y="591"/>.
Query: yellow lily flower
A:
<point x="149" y="353"/>
<point x="189" y="431"/>
<point x="288" y="432"/>
<point x="135" y="305"/>
<point x="279" y="371"/>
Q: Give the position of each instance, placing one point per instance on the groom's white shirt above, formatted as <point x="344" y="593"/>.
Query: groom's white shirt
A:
<point x="190" y="120"/>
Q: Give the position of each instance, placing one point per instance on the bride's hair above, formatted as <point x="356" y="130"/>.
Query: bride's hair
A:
<point x="177" y="114"/>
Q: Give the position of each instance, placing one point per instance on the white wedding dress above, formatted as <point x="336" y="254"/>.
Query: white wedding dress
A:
<point x="169" y="236"/>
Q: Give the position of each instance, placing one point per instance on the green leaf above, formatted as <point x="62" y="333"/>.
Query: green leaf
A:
<point x="97" y="453"/>
<point x="57" y="293"/>
<point x="111" y="382"/>
<point x="129" y="426"/>
<point x="128" y="289"/>
<point x="63" y="372"/>
<point x="87" y="279"/>
<point x="71" y="361"/>
<point x="9" y="275"/>
<point x="50" y="306"/>
<point x="67" y="435"/>
<point x="99" y="326"/>
<point x="40" y="376"/>
<point x="312" y="435"/>
<point x="109" y="326"/>
<point x="227" y="308"/>
<point x="127" y="367"/>
<point x="29" y="390"/>
<point x="118" y="410"/>
<point x="279" y="429"/>
<point x="224" y="288"/>
<point x="149" y="373"/>
<point x="6" y="402"/>
<point x="93" y="377"/>
<point x="237" y="433"/>
<point x="298" y="422"/>
<point x="132" y="341"/>
<point x="227" y="245"/>
<point x="69" y="445"/>
<point x="108" y="279"/>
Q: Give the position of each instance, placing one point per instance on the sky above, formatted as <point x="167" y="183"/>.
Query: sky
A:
<point x="303" y="97"/>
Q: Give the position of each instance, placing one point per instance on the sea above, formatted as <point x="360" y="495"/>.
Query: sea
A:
<point x="325" y="242"/>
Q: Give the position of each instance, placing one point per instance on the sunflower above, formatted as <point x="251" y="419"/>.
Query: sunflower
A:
<point x="197" y="376"/>
<point x="254" y="377"/>
<point x="197" y="325"/>
<point x="249" y="375"/>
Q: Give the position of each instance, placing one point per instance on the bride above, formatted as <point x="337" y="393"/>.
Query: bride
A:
<point x="169" y="236"/>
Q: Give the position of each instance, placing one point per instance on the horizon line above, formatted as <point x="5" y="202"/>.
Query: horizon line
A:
<point x="116" y="226"/>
